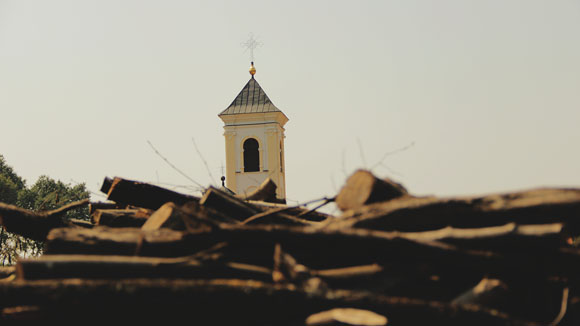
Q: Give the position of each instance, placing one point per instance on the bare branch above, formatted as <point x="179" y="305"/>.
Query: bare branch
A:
<point x="343" y="163"/>
<point x="174" y="167"/>
<point x="204" y="162"/>
<point x="404" y="148"/>
<point x="362" y="154"/>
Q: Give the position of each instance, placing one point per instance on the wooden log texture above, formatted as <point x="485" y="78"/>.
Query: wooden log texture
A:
<point x="102" y="240"/>
<point x="363" y="188"/>
<point x="228" y="205"/>
<point x="279" y="217"/>
<point x="346" y="316"/>
<point x="7" y="271"/>
<point x="167" y="216"/>
<point x="118" y="267"/>
<point x="296" y="211"/>
<point x="93" y="206"/>
<point x="244" y="301"/>
<point x="140" y="194"/>
<point x="540" y="206"/>
<point x="35" y="225"/>
<point x="81" y="223"/>
<point x="323" y="249"/>
<point x="250" y="213"/>
<point x="266" y="192"/>
<point x="121" y="217"/>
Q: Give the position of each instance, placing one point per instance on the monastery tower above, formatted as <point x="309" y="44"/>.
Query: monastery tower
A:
<point x="254" y="133"/>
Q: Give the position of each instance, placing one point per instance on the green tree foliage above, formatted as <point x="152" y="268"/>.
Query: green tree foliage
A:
<point x="47" y="194"/>
<point x="44" y="194"/>
<point x="8" y="190"/>
<point x="10" y="183"/>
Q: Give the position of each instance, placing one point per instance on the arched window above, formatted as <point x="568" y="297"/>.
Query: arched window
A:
<point x="251" y="155"/>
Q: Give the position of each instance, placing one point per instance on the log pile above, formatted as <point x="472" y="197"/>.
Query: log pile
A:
<point x="390" y="258"/>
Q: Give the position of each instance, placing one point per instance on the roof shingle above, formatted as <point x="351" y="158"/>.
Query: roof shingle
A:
<point x="252" y="99"/>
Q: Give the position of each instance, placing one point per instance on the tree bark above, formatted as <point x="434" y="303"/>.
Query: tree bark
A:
<point x="119" y="267"/>
<point x="227" y="301"/>
<point x="35" y="225"/>
<point x="320" y="249"/>
<point x="228" y="205"/>
<point x="93" y="206"/>
<point x="540" y="206"/>
<point x="140" y="194"/>
<point x="120" y="217"/>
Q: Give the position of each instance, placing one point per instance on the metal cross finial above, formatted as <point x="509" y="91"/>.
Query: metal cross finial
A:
<point x="251" y="44"/>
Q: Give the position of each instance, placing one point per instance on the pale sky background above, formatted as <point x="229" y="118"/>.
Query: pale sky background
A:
<point x="487" y="91"/>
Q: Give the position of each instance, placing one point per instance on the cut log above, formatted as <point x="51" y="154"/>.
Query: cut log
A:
<point x="107" y="183"/>
<point x="140" y="194"/>
<point x="539" y="206"/>
<point x="318" y="249"/>
<point x="81" y="223"/>
<point x="363" y="188"/>
<point x="296" y="211"/>
<point x="346" y="316"/>
<point x="167" y="216"/>
<point x="35" y="225"/>
<point x="102" y="240"/>
<point x="247" y="302"/>
<point x="93" y="206"/>
<point x="503" y="238"/>
<point x="251" y="244"/>
<point x="198" y="217"/>
<point x="266" y="192"/>
<point x="248" y="213"/>
<point x="121" y="217"/>
<point x="228" y="205"/>
<point x="115" y="267"/>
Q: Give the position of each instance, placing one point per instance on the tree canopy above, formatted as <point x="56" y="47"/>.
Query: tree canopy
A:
<point x="45" y="194"/>
<point x="10" y="183"/>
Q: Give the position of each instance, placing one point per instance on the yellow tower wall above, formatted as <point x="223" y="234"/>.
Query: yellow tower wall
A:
<point x="267" y="129"/>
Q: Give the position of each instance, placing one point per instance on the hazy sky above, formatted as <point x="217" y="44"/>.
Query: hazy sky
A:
<point x="487" y="91"/>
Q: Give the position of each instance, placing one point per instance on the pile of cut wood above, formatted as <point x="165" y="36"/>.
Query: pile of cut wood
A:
<point x="391" y="258"/>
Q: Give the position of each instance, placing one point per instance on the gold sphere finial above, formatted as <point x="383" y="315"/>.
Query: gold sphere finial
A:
<point x="252" y="69"/>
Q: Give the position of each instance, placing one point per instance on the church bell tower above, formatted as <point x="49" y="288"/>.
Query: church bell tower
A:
<point x="254" y="133"/>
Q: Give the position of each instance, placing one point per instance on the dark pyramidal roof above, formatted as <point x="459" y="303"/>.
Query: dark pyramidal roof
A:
<point x="252" y="99"/>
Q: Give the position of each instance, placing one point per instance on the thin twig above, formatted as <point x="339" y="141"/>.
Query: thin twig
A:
<point x="404" y="148"/>
<point x="362" y="154"/>
<point x="204" y="161"/>
<point x="174" y="167"/>
<point x="67" y="207"/>
<point x="282" y="209"/>
<point x="343" y="163"/>
<point x="326" y="202"/>
<point x="333" y="183"/>
<point x="174" y="186"/>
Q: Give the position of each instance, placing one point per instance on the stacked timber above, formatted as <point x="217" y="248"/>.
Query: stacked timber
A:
<point x="390" y="258"/>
